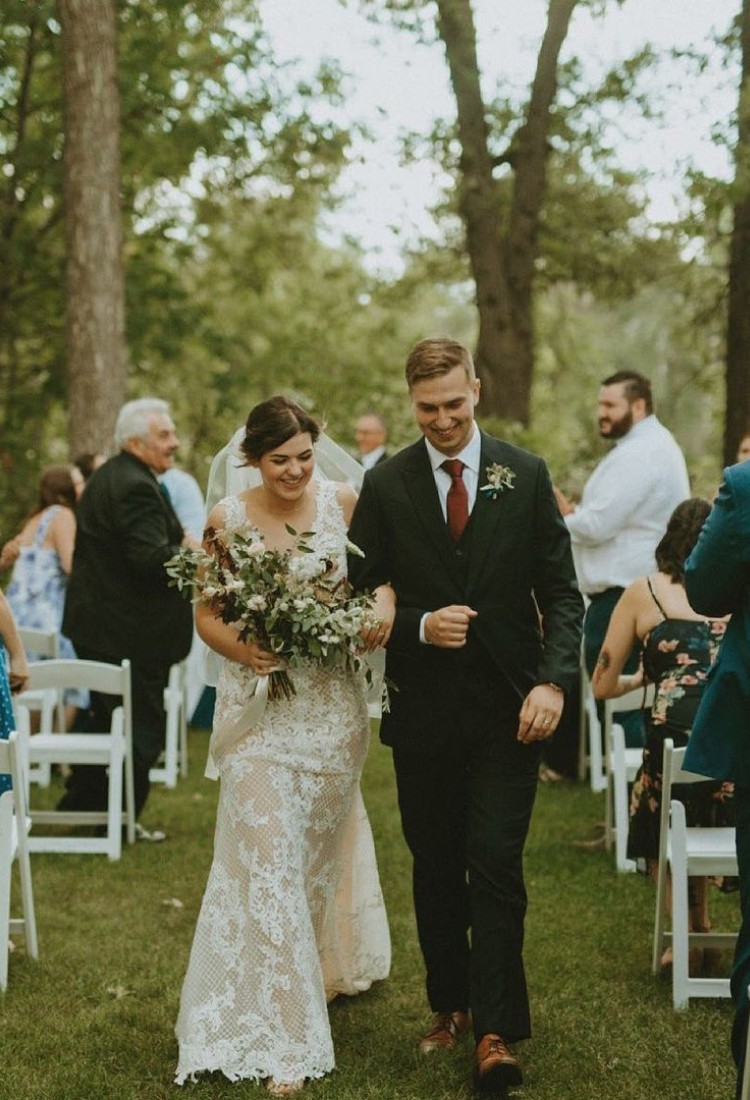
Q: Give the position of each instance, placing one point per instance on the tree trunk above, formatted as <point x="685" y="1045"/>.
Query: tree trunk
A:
<point x="95" y="292"/>
<point x="737" y="420"/>
<point x="502" y="257"/>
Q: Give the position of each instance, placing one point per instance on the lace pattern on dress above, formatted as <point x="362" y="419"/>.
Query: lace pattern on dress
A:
<point x="293" y="913"/>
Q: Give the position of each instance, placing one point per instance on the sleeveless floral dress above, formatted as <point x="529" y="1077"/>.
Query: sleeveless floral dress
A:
<point x="293" y="912"/>
<point x="677" y="654"/>
<point x="36" y="594"/>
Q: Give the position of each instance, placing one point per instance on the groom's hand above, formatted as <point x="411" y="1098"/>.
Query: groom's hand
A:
<point x="540" y="713"/>
<point x="448" y="626"/>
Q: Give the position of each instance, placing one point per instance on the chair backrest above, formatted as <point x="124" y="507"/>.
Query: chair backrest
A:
<point x="11" y="760"/>
<point x="42" y="643"/>
<point x="111" y="679"/>
<point x="672" y="772"/>
<point x="638" y="699"/>
<point x="88" y="675"/>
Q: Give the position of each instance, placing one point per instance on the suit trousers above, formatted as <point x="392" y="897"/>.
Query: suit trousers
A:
<point x="465" y="812"/>
<point x="87" y="784"/>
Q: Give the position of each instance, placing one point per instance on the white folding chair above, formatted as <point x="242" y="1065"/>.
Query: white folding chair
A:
<point x="49" y="705"/>
<point x="173" y="761"/>
<point x="621" y="765"/>
<point x="112" y="749"/>
<point x="14" y="825"/>
<point x="687" y="851"/>
<point x="44" y="703"/>
<point x="590" y="754"/>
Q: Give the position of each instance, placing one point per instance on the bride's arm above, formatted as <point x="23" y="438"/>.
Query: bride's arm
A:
<point x="220" y="636"/>
<point x="384" y="595"/>
<point x="225" y="641"/>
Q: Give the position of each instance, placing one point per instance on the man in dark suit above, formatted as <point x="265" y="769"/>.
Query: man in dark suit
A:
<point x="483" y="649"/>
<point x="717" y="581"/>
<point x="118" y="602"/>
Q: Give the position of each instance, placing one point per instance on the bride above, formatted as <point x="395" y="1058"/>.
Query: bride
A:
<point x="293" y="913"/>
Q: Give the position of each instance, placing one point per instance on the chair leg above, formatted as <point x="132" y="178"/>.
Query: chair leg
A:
<point x="183" y="739"/>
<point x="680" y="917"/>
<point x="27" y="901"/>
<point x="6" y="860"/>
<point x="114" y="803"/>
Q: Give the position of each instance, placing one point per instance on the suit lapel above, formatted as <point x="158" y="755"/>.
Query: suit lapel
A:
<point x="420" y="485"/>
<point x="486" y="513"/>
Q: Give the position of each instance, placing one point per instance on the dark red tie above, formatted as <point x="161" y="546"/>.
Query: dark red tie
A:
<point x="458" y="498"/>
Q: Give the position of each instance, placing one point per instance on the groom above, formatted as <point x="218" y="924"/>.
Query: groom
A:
<point x="484" y="648"/>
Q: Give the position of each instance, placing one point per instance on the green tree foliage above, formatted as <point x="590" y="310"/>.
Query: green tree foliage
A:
<point x="204" y="109"/>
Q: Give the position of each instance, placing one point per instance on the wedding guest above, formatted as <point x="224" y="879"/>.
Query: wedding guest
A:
<point x="743" y="448"/>
<point x="624" y="508"/>
<point x="466" y="529"/>
<point x="87" y="463"/>
<point x="119" y="602"/>
<point x="371" y="436"/>
<point x="717" y="581"/>
<point x="39" y="581"/>
<point x="187" y="500"/>
<point x="679" y="647"/>
<point x="292" y="914"/>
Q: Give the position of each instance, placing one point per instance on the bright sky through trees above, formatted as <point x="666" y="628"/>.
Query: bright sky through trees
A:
<point x="396" y="85"/>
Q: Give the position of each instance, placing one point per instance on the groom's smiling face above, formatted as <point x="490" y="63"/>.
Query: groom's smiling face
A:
<point x="444" y="407"/>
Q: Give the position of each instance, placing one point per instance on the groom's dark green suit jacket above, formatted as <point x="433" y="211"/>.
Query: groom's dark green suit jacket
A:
<point x="513" y="565"/>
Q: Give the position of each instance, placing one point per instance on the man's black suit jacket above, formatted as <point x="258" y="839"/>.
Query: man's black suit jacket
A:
<point x="513" y="566"/>
<point x="118" y="601"/>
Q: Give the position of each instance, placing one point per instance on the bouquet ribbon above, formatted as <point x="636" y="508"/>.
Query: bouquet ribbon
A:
<point x="223" y="737"/>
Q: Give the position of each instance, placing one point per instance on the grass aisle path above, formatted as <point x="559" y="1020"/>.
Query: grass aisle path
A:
<point x="93" y="1020"/>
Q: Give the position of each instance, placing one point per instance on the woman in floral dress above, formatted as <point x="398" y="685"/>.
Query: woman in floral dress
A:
<point x="678" y="649"/>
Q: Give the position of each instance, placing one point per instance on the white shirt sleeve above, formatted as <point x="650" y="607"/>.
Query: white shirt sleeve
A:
<point x="622" y="483"/>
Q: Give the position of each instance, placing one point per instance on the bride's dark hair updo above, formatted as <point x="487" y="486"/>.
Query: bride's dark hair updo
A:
<point x="680" y="537"/>
<point x="272" y="423"/>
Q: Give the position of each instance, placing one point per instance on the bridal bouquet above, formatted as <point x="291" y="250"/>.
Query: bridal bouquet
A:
<point x="288" y="601"/>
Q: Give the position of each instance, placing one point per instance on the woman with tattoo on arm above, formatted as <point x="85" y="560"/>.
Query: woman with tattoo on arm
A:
<point x="678" y="649"/>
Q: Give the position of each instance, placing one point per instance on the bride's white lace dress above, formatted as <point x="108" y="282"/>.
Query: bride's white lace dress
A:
<point x="293" y="912"/>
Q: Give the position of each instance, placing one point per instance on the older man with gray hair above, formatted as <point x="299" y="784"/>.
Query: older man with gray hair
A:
<point x="119" y="604"/>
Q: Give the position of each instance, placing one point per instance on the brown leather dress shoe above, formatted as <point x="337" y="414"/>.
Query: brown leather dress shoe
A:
<point x="496" y="1066"/>
<point x="447" y="1028"/>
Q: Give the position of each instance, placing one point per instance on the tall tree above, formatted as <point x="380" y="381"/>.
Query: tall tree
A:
<point x="737" y="419"/>
<point x="503" y="256"/>
<point x="91" y="161"/>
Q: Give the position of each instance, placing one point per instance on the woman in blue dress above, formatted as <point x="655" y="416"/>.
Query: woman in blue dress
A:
<point x="13" y="675"/>
<point x="36" y="592"/>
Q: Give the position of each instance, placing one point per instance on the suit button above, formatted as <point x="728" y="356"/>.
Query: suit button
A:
<point x="459" y="553"/>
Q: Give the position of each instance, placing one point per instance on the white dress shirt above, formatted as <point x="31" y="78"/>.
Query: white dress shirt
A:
<point x="470" y="456"/>
<point x="369" y="459"/>
<point x="625" y="508"/>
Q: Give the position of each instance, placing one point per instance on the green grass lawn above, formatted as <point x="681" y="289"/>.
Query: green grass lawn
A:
<point x="93" y="1019"/>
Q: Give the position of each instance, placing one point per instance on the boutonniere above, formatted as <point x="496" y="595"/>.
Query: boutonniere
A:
<point x="499" y="478"/>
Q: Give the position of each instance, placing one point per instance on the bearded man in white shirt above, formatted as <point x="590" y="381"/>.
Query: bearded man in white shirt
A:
<point x="626" y="503"/>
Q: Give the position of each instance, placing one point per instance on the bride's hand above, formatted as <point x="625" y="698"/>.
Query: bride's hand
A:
<point x="384" y="611"/>
<point x="258" y="659"/>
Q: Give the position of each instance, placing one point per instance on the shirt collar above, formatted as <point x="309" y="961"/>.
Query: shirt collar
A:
<point x="642" y="427"/>
<point x="470" y="455"/>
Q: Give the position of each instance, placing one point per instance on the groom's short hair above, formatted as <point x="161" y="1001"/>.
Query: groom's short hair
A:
<point x="435" y="356"/>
